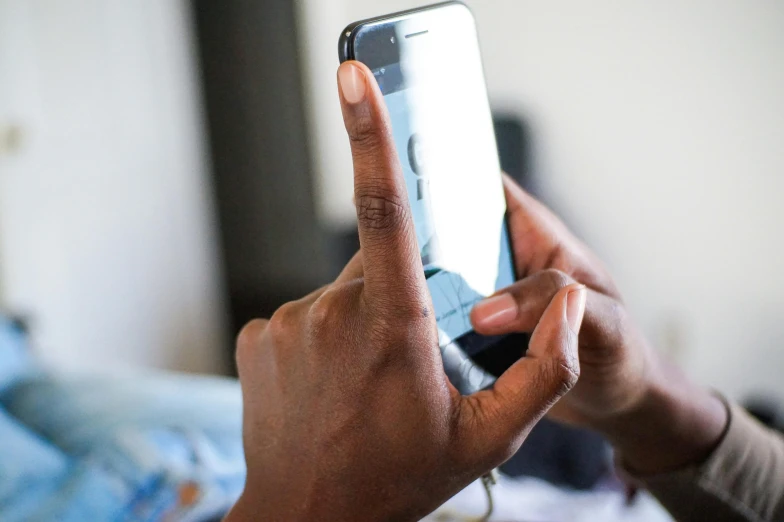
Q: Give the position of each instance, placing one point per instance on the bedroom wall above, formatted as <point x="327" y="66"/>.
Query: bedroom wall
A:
<point x="106" y="220"/>
<point x="657" y="132"/>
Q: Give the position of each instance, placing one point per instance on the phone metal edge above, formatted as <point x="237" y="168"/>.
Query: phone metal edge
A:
<point x="346" y="40"/>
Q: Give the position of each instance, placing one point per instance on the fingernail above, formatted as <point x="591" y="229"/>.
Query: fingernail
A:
<point x="352" y="83"/>
<point x="575" y="308"/>
<point x="495" y="311"/>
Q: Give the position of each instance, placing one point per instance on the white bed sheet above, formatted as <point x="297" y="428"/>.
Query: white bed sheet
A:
<point x="533" y="500"/>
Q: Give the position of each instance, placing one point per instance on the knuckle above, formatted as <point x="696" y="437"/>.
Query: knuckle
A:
<point x="616" y="313"/>
<point x="323" y="310"/>
<point x="390" y="333"/>
<point x="283" y="321"/>
<point x="412" y="312"/>
<point x="557" y="255"/>
<point x="248" y="340"/>
<point x="556" y="279"/>
<point x="363" y="132"/>
<point x="385" y="331"/>
<point x="391" y="314"/>
<point x="332" y="311"/>
<point x="379" y="209"/>
<point x="614" y="325"/>
<point x="562" y="372"/>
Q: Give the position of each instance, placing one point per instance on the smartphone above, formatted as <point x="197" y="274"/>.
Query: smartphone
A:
<point x="428" y="65"/>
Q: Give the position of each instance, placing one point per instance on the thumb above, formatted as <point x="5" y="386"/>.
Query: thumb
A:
<point x="523" y="394"/>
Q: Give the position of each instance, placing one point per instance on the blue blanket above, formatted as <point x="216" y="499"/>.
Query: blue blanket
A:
<point x="133" y="447"/>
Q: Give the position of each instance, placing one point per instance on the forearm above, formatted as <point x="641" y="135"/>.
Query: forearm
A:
<point x="701" y="460"/>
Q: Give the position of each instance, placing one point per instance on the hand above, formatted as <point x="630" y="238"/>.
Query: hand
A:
<point x="614" y="357"/>
<point x="644" y="406"/>
<point x="348" y="414"/>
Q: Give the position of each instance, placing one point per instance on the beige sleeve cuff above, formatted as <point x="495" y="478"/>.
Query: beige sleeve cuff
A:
<point x="742" y="480"/>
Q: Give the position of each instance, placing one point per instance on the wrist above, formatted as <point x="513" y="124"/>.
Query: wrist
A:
<point x="674" y="424"/>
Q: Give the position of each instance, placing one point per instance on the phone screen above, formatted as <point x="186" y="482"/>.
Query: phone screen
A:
<point x="429" y="70"/>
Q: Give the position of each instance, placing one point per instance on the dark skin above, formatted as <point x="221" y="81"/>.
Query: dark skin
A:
<point x="348" y="414"/>
<point x="655" y="418"/>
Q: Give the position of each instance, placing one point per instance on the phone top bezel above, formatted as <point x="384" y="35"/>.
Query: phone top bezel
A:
<point x="346" y="40"/>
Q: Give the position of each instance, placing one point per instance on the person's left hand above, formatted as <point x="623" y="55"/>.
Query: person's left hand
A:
<point x="348" y="414"/>
<point x="643" y="405"/>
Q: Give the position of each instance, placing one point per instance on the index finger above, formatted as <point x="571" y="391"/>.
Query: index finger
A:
<point x="391" y="262"/>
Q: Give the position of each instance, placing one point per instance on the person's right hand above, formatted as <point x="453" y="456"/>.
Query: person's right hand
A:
<point x="348" y="414"/>
<point x="626" y="391"/>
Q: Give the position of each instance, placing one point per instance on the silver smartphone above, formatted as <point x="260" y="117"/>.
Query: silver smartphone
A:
<point x="429" y="68"/>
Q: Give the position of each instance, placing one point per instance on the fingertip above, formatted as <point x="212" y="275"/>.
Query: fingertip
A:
<point x="364" y="111"/>
<point x="561" y="301"/>
<point x="352" y="82"/>
<point x="494" y="312"/>
<point x="555" y="321"/>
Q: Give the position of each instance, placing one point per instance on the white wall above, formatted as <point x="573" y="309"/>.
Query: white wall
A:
<point x="106" y="224"/>
<point x="658" y="131"/>
<point x="320" y="24"/>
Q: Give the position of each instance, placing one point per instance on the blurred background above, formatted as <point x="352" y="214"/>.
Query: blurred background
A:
<point x="170" y="169"/>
